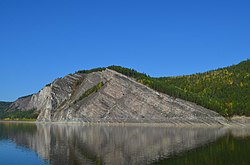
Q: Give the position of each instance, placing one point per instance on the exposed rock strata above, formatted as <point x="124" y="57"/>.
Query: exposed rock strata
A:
<point x="121" y="99"/>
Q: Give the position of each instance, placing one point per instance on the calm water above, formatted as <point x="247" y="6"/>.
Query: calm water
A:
<point x="43" y="144"/>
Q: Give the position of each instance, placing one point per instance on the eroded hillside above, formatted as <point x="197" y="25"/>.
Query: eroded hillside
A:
<point x="108" y="96"/>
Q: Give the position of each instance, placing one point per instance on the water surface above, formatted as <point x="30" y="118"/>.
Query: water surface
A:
<point x="58" y="144"/>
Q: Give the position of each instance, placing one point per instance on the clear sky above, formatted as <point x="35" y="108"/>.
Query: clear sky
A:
<point x="41" y="40"/>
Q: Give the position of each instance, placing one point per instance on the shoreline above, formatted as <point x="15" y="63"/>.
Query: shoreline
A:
<point x="233" y="122"/>
<point x="16" y="121"/>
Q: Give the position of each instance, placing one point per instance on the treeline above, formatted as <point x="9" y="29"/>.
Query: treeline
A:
<point x="18" y="114"/>
<point x="128" y="72"/>
<point x="91" y="70"/>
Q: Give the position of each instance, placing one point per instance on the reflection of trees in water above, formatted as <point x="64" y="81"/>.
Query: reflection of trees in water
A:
<point x="233" y="148"/>
<point x="17" y="132"/>
<point x="77" y="144"/>
<point x="11" y="129"/>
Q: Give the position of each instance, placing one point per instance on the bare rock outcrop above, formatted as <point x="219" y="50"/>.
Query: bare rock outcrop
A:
<point x="119" y="99"/>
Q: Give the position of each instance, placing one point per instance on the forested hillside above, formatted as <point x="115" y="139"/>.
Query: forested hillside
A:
<point x="4" y="105"/>
<point x="225" y="90"/>
<point x="17" y="114"/>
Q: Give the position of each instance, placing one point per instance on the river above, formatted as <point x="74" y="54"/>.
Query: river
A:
<point x="73" y="144"/>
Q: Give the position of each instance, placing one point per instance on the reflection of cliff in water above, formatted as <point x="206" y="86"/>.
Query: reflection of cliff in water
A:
<point x="76" y="144"/>
<point x="17" y="132"/>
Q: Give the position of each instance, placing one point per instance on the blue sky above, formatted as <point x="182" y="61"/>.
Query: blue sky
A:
<point x="43" y="39"/>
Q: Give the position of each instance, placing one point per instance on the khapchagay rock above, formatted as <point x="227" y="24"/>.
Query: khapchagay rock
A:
<point x="108" y="96"/>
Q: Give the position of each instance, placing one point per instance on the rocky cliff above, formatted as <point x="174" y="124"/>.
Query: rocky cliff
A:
<point x="108" y="96"/>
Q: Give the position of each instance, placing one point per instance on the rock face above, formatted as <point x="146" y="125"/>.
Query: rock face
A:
<point x="119" y="99"/>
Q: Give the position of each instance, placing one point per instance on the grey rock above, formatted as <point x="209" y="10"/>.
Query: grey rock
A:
<point x="120" y="100"/>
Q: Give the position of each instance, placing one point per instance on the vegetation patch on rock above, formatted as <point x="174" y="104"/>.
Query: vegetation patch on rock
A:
<point x="91" y="90"/>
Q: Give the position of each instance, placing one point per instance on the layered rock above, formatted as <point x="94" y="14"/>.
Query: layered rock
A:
<point x="119" y="99"/>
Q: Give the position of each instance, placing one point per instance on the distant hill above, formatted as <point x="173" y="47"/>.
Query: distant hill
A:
<point x="4" y="105"/>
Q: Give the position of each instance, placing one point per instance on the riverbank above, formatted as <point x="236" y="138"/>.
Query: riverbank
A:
<point x="17" y="121"/>
<point x="235" y="121"/>
<point x="241" y="120"/>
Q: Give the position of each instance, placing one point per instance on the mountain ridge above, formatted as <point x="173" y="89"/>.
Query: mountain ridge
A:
<point x="88" y="85"/>
<point x="119" y="100"/>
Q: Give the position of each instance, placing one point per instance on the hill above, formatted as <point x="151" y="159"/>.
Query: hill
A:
<point x="104" y="95"/>
<point x="225" y="90"/>
<point x="118" y="94"/>
<point x="4" y="105"/>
